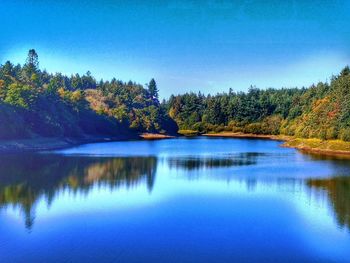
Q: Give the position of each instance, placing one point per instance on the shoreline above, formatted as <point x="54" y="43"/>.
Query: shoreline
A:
<point x="56" y="143"/>
<point x="155" y="136"/>
<point x="246" y="136"/>
<point x="312" y="146"/>
<point x="321" y="152"/>
<point x="33" y="145"/>
<point x="319" y="147"/>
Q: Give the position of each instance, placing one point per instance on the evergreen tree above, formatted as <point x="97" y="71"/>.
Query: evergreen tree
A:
<point x="153" y="90"/>
<point x="32" y="62"/>
<point x="31" y="69"/>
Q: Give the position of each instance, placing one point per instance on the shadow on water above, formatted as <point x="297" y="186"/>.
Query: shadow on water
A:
<point x="26" y="179"/>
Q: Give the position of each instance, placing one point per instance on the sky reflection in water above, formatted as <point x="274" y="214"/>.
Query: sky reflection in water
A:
<point x="216" y="199"/>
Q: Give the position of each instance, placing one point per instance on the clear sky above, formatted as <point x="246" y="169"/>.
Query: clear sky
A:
<point x="185" y="45"/>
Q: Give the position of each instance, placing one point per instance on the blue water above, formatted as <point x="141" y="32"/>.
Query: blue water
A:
<point x="178" y="200"/>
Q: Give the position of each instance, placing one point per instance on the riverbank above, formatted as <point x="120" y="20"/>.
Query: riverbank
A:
<point x="188" y="133"/>
<point x="316" y="146"/>
<point x="48" y="144"/>
<point x="155" y="136"/>
<point x="247" y="136"/>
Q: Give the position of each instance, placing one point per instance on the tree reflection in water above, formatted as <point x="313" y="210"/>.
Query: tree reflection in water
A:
<point x="338" y="191"/>
<point x="25" y="179"/>
<point x="200" y="162"/>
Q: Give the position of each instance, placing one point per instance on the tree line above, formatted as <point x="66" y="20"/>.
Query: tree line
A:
<point x="320" y="111"/>
<point x="34" y="103"/>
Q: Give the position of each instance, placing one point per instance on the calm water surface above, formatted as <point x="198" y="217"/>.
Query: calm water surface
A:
<point x="180" y="200"/>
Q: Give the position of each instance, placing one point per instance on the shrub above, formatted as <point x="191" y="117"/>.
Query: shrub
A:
<point x="331" y="133"/>
<point x="344" y="134"/>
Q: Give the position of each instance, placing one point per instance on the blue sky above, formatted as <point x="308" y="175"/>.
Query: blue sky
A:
<point x="185" y="45"/>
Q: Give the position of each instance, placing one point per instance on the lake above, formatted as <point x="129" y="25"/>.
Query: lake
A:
<point x="176" y="200"/>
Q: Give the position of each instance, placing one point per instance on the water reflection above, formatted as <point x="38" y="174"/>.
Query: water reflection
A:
<point x="233" y="195"/>
<point x="204" y="162"/>
<point x="26" y="179"/>
<point x="338" y="191"/>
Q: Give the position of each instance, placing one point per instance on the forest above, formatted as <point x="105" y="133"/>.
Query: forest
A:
<point x="321" y="111"/>
<point x="37" y="103"/>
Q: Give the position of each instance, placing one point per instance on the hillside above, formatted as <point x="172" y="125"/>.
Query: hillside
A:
<point x="35" y="103"/>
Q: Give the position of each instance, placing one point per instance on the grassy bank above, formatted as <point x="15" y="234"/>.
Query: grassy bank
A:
<point x="330" y="147"/>
<point x="247" y="135"/>
<point x="188" y="133"/>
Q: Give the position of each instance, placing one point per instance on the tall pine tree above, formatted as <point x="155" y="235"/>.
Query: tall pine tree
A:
<point x="153" y="90"/>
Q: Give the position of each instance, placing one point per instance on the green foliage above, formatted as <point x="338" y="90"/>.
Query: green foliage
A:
<point x="20" y="95"/>
<point x="320" y="111"/>
<point x="31" y="68"/>
<point x="153" y="90"/>
<point x="56" y="105"/>
<point x="344" y="134"/>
